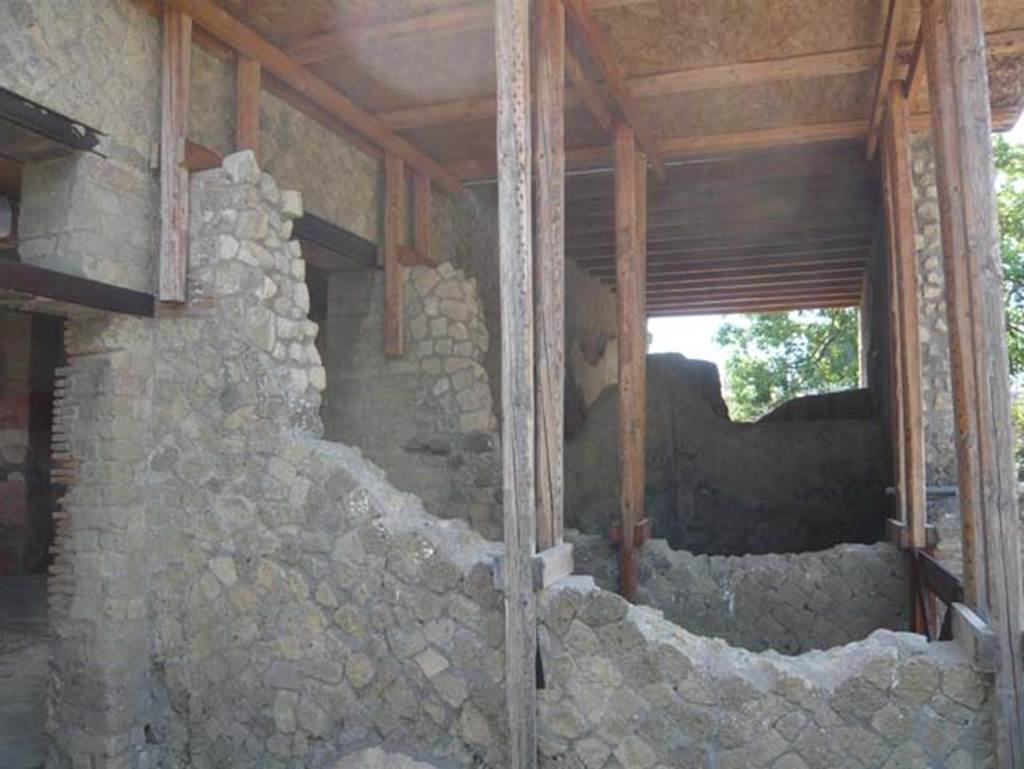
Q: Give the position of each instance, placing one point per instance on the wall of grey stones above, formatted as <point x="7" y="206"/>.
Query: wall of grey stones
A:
<point x="233" y="591"/>
<point x="426" y="416"/>
<point x="790" y="603"/>
<point x="627" y="688"/>
<point x="591" y="343"/>
<point x="719" y="487"/>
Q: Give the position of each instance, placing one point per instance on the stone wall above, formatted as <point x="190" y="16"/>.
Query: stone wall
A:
<point x="715" y="486"/>
<point x="232" y="591"/>
<point x="591" y="343"/>
<point x="426" y="416"/>
<point x="626" y="688"/>
<point x="789" y="603"/>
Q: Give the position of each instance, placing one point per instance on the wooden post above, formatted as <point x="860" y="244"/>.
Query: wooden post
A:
<point x="394" y="193"/>
<point x="515" y="255"/>
<point x="247" y="105"/>
<point x="954" y="47"/>
<point x="549" y="263"/>
<point x="903" y="260"/>
<point x="421" y="205"/>
<point x="632" y="353"/>
<point x="174" y="207"/>
<point x="900" y="194"/>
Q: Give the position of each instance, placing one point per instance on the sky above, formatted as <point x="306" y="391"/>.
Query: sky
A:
<point x="694" y="337"/>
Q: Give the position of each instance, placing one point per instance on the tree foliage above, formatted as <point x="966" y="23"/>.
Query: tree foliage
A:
<point x="778" y="356"/>
<point x="1010" y="201"/>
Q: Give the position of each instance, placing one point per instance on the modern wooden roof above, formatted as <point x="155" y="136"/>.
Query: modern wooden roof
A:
<point x="790" y="84"/>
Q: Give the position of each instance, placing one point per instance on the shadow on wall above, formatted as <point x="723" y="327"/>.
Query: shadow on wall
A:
<point x="809" y="476"/>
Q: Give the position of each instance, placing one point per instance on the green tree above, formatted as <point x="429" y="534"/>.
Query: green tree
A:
<point x="1010" y="202"/>
<point x="778" y="356"/>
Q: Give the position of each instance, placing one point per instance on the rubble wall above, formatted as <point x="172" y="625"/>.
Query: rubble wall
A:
<point x="719" y="487"/>
<point x="790" y="603"/>
<point x="233" y="591"/>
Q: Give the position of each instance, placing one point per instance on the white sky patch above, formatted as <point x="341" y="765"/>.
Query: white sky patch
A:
<point x="694" y="337"/>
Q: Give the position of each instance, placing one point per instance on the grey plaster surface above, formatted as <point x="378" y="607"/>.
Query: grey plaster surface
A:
<point x="24" y="653"/>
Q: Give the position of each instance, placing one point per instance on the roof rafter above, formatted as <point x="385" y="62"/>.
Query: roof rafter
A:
<point x="275" y="61"/>
<point x="604" y="59"/>
<point x="890" y="43"/>
<point x="469" y="17"/>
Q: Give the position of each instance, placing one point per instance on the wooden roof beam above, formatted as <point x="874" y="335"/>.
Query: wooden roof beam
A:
<point x="468" y="17"/>
<point x="275" y="61"/>
<point x="890" y="43"/>
<point x="601" y="54"/>
<point x="748" y="307"/>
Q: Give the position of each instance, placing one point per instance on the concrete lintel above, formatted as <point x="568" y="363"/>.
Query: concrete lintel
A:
<point x="553" y="564"/>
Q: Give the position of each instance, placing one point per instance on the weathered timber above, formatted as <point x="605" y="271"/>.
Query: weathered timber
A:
<point x="632" y="352"/>
<point x="958" y="88"/>
<point x="422" y="205"/>
<point x="548" y="26"/>
<point x="519" y="484"/>
<point x="199" y="157"/>
<point x="394" y="195"/>
<point x="890" y="42"/>
<point x="174" y="192"/>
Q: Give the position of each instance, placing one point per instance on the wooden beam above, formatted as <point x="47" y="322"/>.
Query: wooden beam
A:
<point x="519" y="484"/>
<point x="768" y="290"/>
<point x="174" y="188"/>
<point x="320" y="233"/>
<point x="589" y="93"/>
<point x="422" y="211"/>
<point x="726" y="307"/>
<point x="900" y="191"/>
<point x="247" y="105"/>
<point x="277" y="62"/>
<point x="603" y="57"/>
<point x="916" y="65"/>
<point x="733" y="283"/>
<point x="201" y="158"/>
<point x="56" y="286"/>
<point x="958" y="88"/>
<point x="632" y="353"/>
<point x="549" y="263"/>
<point x="394" y="195"/>
<point x="788" y="69"/>
<point x="412" y="257"/>
<point x="465" y="17"/>
<point x="29" y="132"/>
<point x="890" y="42"/>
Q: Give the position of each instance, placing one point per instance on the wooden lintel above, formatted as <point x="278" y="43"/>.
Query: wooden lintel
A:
<point x="247" y="105"/>
<point x="977" y="640"/>
<point x="394" y="195"/>
<point x="273" y="60"/>
<point x="347" y="245"/>
<point x="409" y="256"/>
<point x="603" y="57"/>
<point x="30" y="132"/>
<point x="201" y="158"/>
<point x="549" y="566"/>
<point x="174" y="185"/>
<point x="890" y="43"/>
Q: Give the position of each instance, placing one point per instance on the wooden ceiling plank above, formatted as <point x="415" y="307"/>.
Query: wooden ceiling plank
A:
<point x="735" y="286"/>
<point x="603" y="57"/>
<point x="683" y="267"/>
<point x="890" y="42"/>
<point x="274" y="60"/>
<point x="733" y="308"/>
<point x="469" y="17"/>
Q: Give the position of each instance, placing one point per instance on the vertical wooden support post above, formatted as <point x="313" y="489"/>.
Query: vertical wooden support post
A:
<point x="895" y="361"/>
<point x="421" y="211"/>
<point x="174" y="207"/>
<point x="394" y="194"/>
<point x="900" y="194"/>
<point x="954" y="46"/>
<point x="632" y="354"/>
<point x="903" y="260"/>
<point x="549" y="263"/>
<point x="515" y="255"/>
<point x="247" y="105"/>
